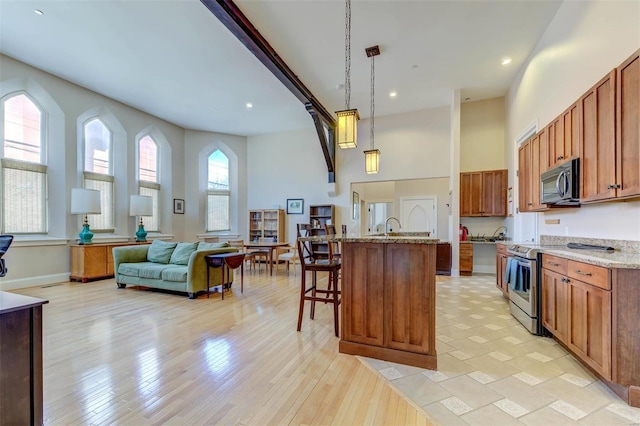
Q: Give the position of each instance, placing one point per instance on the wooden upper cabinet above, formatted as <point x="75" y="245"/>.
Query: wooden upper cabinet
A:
<point x="525" y="203"/>
<point x="597" y="140"/>
<point x="570" y="134"/>
<point x="555" y="143"/>
<point x="494" y="193"/>
<point x="471" y="194"/>
<point x="483" y="193"/>
<point x="628" y="127"/>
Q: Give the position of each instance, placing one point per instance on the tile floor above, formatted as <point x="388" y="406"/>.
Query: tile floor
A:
<point x="492" y="371"/>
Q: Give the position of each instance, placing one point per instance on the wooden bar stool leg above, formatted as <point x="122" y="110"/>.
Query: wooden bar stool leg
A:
<point x="313" y="293"/>
<point x="335" y="301"/>
<point x="303" y="292"/>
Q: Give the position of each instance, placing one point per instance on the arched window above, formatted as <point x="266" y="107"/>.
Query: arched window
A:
<point x="148" y="180"/>
<point x="98" y="172"/>
<point x="24" y="170"/>
<point x="218" y="193"/>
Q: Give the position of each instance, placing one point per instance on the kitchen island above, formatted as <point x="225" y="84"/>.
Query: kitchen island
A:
<point x="389" y="297"/>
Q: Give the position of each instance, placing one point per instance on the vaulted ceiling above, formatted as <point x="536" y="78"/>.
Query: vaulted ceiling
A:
<point x="175" y="60"/>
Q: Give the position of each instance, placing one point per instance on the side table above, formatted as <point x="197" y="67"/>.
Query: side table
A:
<point x="226" y="261"/>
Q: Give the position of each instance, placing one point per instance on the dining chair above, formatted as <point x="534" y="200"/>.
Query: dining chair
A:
<point x="287" y="254"/>
<point x="334" y="246"/>
<point x="263" y="254"/>
<point x="330" y="294"/>
<point x="249" y="257"/>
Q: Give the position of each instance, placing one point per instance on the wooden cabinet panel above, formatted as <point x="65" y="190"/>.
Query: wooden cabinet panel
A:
<point x="494" y="193"/>
<point x="525" y="203"/>
<point x="590" y="274"/>
<point x="443" y="259"/>
<point x="539" y="146"/>
<point x="555" y="263"/>
<point x="570" y="135"/>
<point x="597" y="141"/>
<point x="555" y="304"/>
<point x="406" y="271"/>
<point x="466" y="259"/>
<point x="471" y="194"/>
<point x="363" y="263"/>
<point x="628" y="127"/>
<point x="555" y="144"/>
<point x="501" y="267"/>
<point x="590" y="325"/>
<point x="483" y="193"/>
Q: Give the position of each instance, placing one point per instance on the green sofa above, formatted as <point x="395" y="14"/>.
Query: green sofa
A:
<point x="169" y="266"/>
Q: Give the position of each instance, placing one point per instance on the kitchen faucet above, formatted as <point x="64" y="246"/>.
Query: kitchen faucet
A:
<point x="386" y="224"/>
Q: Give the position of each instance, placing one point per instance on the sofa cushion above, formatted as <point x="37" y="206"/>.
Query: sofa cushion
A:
<point x="176" y="274"/>
<point x="160" y="251"/>
<point x="211" y="246"/>
<point x="182" y="252"/>
<point x="131" y="269"/>
<point x="151" y="270"/>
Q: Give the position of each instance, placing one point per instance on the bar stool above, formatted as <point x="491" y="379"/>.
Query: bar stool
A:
<point x="331" y="294"/>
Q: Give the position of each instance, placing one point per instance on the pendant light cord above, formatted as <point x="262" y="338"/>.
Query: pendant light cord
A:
<point x="373" y="104"/>
<point x="347" y="54"/>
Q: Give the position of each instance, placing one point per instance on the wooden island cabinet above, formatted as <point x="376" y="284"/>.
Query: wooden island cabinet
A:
<point x="388" y="299"/>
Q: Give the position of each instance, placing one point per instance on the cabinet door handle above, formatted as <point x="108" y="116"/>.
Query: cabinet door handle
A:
<point x="560" y="157"/>
<point x="553" y="264"/>
<point x="588" y="274"/>
<point x="564" y="280"/>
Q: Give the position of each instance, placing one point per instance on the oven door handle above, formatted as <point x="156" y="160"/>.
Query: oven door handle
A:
<point x="525" y="264"/>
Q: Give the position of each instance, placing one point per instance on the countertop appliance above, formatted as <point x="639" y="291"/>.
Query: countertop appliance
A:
<point x="561" y="185"/>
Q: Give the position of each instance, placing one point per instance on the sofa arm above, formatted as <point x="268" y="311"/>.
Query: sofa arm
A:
<point x="129" y="254"/>
<point x="197" y="269"/>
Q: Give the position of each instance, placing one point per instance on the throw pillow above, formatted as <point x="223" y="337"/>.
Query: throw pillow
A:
<point x="211" y="246"/>
<point x="181" y="254"/>
<point x="160" y="251"/>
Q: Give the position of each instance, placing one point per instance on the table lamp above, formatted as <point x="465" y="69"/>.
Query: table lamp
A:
<point x="141" y="205"/>
<point x="85" y="201"/>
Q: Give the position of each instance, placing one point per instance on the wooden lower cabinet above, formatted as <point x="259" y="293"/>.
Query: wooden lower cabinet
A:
<point x="388" y="302"/>
<point x="594" y="312"/>
<point x="466" y="258"/>
<point x="93" y="261"/>
<point x="501" y="268"/>
<point x="443" y="259"/>
<point x="555" y="304"/>
<point x="590" y="325"/>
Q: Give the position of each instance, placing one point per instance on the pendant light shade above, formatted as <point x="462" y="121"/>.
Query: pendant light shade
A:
<point x="347" y="118"/>
<point x="372" y="161"/>
<point x="372" y="156"/>
<point x="348" y="128"/>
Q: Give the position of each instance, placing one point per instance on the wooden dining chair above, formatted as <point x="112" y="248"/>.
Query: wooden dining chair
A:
<point x="330" y="294"/>
<point x="334" y="246"/>
<point x="288" y="255"/>
<point x="249" y="257"/>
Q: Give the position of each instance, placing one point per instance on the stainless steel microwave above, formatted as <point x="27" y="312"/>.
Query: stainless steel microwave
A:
<point x="561" y="185"/>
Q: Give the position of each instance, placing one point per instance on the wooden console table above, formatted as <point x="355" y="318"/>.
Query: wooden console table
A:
<point x="94" y="261"/>
<point x="20" y="359"/>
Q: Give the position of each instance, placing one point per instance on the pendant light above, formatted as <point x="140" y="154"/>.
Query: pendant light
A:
<point x="347" y="118"/>
<point x="372" y="156"/>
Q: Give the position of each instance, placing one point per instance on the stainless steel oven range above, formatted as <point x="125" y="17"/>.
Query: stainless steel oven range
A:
<point x="524" y="301"/>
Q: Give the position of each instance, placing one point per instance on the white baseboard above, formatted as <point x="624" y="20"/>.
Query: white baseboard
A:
<point x="6" y="284"/>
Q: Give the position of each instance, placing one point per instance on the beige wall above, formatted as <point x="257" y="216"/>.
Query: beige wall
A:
<point x="482" y="135"/>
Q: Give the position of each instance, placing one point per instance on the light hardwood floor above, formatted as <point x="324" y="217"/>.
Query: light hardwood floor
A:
<point x="114" y="356"/>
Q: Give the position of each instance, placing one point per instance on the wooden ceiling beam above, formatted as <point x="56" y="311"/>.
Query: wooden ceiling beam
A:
<point x="232" y="17"/>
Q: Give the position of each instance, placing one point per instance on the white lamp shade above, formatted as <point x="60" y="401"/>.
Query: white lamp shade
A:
<point x="140" y="205"/>
<point x="85" y="201"/>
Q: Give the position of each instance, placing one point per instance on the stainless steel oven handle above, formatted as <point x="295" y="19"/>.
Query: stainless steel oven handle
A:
<point x="525" y="264"/>
<point x="558" y="185"/>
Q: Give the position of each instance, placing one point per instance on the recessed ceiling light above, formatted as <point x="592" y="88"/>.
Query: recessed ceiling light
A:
<point x="38" y="12"/>
<point x="249" y="105"/>
<point x="393" y="94"/>
<point x="506" y="61"/>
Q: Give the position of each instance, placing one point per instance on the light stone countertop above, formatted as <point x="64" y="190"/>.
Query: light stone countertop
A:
<point x="392" y="238"/>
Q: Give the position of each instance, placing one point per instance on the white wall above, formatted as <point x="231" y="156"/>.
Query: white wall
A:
<point x="482" y="135"/>
<point x="585" y="40"/>
<point x="31" y="264"/>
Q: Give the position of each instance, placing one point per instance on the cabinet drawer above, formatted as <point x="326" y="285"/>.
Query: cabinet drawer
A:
<point x="555" y="264"/>
<point x="501" y="249"/>
<point x="590" y="274"/>
<point x="466" y="248"/>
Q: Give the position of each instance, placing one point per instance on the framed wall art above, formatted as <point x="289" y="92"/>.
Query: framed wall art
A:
<point x="295" y="206"/>
<point x="178" y="206"/>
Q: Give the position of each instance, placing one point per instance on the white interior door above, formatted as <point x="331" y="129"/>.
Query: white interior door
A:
<point x="419" y="214"/>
